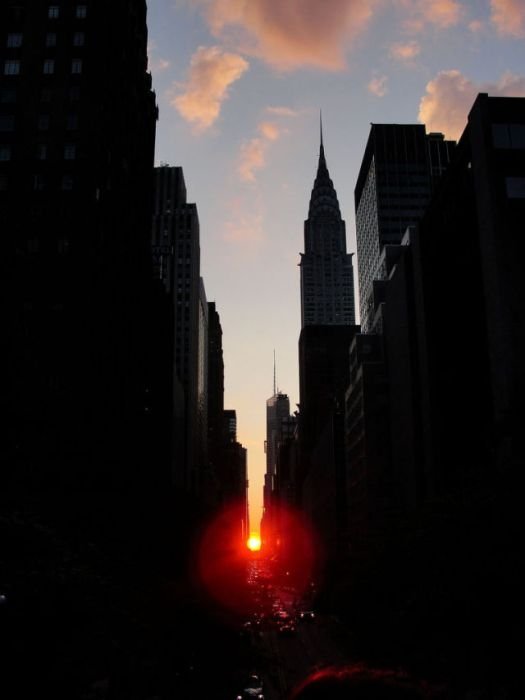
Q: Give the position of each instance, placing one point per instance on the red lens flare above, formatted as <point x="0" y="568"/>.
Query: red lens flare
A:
<point x="221" y="560"/>
<point x="289" y="549"/>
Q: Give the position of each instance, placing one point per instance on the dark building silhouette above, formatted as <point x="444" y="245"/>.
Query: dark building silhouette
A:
<point x="176" y="255"/>
<point x="327" y="318"/>
<point x="277" y="412"/>
<point x="480" y="206"/>
<point x="400" y="166"/>
<point x="216" y="438"/>
<point x="77" y="119"/>
<point x="327" y="277"/>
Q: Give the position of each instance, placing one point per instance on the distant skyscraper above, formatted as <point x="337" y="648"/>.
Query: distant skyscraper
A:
<point x="327" y="278"/>
<point x="400" y="164"/>
<point x="176" y="254"/>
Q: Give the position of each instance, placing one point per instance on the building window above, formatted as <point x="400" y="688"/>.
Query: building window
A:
<point x="515" y="187"/>
<point x="53" y="12"/>
<point x="51" y="39"/>
<point x="14" y="41"/>
<point x="41" y="151"/>
<point x="7" y="95"/>
<point x="7" y="122"/>
<point x="43" y="122"/>
<point x="70" y="151"/>
<point x="76" y="66"/>
<point x="49" y="66"/>
<point x="5" y="153"/>
<point x="74" y="93"/>
<point x="79" y="39"/>
<point x="11" y="67"/>
<point x="72" y="122"/>
<point x="38" y="182"/>
<point x="81" y="11"/>
<point x="67" y="182"/>
<point x="45" y="95"/>
<point x="3" y="183"/>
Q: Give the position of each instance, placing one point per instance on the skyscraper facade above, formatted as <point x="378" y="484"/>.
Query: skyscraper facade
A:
<point x="327" y="279"/>
<point x="176" y="255"/>
<point x="400" y="165"/>
<point x="77" y="131"/>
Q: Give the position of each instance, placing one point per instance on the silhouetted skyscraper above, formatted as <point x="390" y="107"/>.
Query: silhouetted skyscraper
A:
<point x="400" y="164"/>
<point x="176" y="251"/>
<point x="327" y="278"/>
<point x="77" y="120"/>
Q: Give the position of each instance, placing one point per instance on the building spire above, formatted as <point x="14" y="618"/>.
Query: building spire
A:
<point x="321" y="147"/>
<point x="274" y="375"/>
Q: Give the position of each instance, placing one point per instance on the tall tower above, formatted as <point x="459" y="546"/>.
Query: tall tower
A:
<point x="77" y="130"/>
<point x="176" y="257"/>
<point x="400" y="165"/>
<point x="327" y="278"/>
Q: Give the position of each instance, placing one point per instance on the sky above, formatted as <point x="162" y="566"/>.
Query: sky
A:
<point x="240" y="84"/>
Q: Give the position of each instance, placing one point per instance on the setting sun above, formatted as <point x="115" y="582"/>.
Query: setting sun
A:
<point x="254" y="543"/>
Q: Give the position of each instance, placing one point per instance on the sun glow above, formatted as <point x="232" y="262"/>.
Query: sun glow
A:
<point x="254" y="543"/>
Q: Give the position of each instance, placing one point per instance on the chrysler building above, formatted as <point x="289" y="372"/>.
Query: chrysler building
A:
<point x="327" y="278"/>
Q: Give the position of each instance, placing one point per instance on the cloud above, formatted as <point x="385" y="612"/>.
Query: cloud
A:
<point x="245" y="225"/>
<point x="212" y="71"/>
<point x="476" y="26"/>
<point x="282" y="111"/>
<point x="441" y="13"/>
<point x="377" y="86"/>
<point x="156" y="65"/>
<point x="450" y="96"/>
<point x="269" y="130"/>
<point x="406" y="51"/>
<point x="291" y="34"/>
<point x="252" y="158"/>
<point x="508" y="16"/>
<point x="253" y="152"/>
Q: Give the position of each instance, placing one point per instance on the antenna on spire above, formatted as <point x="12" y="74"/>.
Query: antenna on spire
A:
<point x="321" y="126"/>
<point x="274" y="375"/>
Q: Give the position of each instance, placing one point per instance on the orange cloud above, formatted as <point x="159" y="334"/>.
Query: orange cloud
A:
<point x="291" y="34"/>
<point x="377" y="86"/>
<point x="450" y="96"/>
<point x="508" y="16"/>
<point x="269" y="130"/>
<point x="282" y="111"/>
<point x="253" y="152"/>
<point x="245" y="225"/>
<point x="442" y="13"/>
<point x="476" y="26"/>
<point x="405" y="52"/>
<point x="253" y="157"/>
<point x="212" y="71"/>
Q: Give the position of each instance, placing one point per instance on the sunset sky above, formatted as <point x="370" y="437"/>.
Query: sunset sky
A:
<point x="240" y="84"/>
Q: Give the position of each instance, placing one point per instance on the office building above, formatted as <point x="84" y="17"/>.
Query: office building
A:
<point x="400" y="167"/>
<point x="77" y="130"/>
<point x="176" y="255"/>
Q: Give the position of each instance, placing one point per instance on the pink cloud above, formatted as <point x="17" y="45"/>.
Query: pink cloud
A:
<point x="252" y="158"/>
<point x="253" y="152"/>
<point x="212" y="71"/>
<point x="450" y="96"/>
<point x="269" y="130"/>
<point x="406" y="51"/>
<point x="441" y="13"/>
<point x="245" y="225"/>
<point x="282" y="111"/>
<point x="291" y="34"/>
<point x="476" y="26"/>
<point x="508" y="16"/>
<point x="377" y="86"/>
